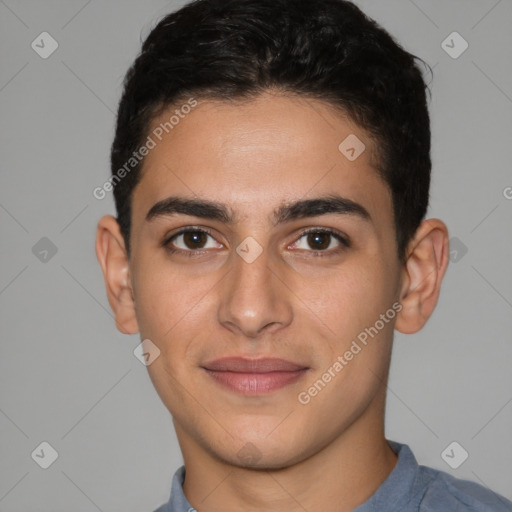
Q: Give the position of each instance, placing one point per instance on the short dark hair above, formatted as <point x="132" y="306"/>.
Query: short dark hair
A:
<point x="322" y="49"/>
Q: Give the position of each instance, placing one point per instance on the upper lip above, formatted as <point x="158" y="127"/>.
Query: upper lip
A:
<point x="244" y="365"/>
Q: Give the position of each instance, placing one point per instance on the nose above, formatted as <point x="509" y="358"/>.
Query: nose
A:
<point x="254" y="299"/>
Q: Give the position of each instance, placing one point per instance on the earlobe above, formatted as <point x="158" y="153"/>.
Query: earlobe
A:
<point x="111" y="254"/>
<point x="423" y="274"/>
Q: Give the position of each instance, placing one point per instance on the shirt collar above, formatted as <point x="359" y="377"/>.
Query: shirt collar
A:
<point x="392" y="494"/>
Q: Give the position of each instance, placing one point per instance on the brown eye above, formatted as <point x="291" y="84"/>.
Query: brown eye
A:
<point x="194" y="239"/>
<point x="190" y="241"/>
<point x="319" y="241"/>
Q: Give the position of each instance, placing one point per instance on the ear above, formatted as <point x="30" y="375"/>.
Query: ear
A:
<point x="111" y="254"/>
<point x="426" y="264"/>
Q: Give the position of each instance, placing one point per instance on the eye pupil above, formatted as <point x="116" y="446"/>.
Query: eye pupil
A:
<point x="319" y="240"/>
<point x="193" y="239"/>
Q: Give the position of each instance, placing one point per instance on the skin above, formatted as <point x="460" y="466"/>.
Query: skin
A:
<point x="254" y="157"/>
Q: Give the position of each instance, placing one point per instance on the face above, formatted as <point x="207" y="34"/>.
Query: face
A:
<point x="293" y="257"/>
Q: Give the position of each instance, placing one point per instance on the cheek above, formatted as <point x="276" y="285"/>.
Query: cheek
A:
<point x="348" y="299"/>
<point x="155" y="305"/>
<point x="164" y="298"/>
<point x="171" y="312"/>
<point x="363" y="314"/>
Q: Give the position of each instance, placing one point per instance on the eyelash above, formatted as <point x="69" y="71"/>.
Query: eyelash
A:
<point x="320" y="254"/>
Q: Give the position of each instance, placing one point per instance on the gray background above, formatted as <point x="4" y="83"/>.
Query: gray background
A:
<point x="68" y="377"/>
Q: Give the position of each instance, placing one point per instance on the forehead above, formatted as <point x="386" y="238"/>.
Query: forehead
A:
<point x="263" y="153"/>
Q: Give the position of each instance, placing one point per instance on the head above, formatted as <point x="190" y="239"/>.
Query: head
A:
<point x="261" y="120"/>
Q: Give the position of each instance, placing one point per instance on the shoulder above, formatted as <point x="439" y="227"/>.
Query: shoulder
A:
<point x="444" y="492"/>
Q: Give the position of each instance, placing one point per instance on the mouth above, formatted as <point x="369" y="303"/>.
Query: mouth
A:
<point x="254" y="376"/>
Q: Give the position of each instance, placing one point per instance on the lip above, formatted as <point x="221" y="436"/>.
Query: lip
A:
<point x="246" y="365"/>
<point x="254" y="376"/>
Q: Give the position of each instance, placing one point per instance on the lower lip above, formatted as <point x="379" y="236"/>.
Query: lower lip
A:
<point x="256" y="383"/>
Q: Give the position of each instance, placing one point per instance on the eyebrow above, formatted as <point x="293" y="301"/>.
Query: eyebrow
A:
<point x="212" y="210"/>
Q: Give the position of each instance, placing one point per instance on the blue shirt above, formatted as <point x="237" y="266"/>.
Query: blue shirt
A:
<point x="408" y="488"/>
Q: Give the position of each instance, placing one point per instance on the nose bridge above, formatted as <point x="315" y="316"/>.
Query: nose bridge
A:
<point x="253" y="298"/>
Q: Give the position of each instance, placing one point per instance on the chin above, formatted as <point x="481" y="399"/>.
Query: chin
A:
<point x="263" y="453"/>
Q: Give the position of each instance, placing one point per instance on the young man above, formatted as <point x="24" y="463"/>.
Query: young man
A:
<point x="271" y="171"/>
